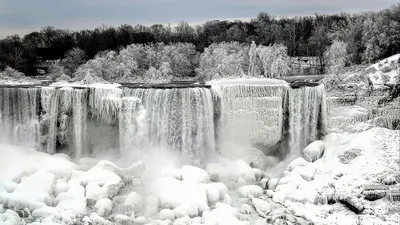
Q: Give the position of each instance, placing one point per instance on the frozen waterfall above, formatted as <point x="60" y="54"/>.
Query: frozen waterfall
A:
<point x="307" y="116"/>
<point x="193" y="121"/>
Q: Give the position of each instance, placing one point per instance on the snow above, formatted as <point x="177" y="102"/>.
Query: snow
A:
<point x="381" y="75"/>
<point x="249" y="81"/>
<point x="194" y="174"/>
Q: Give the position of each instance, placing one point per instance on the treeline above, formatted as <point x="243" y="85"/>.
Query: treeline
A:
<point x="368" y="36"/>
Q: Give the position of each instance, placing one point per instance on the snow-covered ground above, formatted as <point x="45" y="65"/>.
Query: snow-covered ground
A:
<point x="385" y="71"/>
<point x="36" y="187"/>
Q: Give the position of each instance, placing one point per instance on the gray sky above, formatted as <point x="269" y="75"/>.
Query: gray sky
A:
<point x="23" y="16"/>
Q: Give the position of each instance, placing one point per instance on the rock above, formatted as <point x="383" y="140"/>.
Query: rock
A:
<point x="194" y="174"/>
<point x="103" y="207"/>
<point x="258" y="174"/>
<point x="133" y="203"/>
<point x="253" y="190"/>
<point x="390" y="180"/>
<point x="351" y="202"/>
<point x="245" y="209"/>
<point x="122" y="219"/>
<point x="299" y="162"/>
<point x="262" y="207"/>
<point x="255" y="158"/>
<point x="167" y="214"/>
<point x="185" y="210"/>
<point x="45" y="212"/>
<point x="183" y="221"/>
<point x="141" y="220"/>
<point x="272" y="183"/>
<point x="61" y="186"/>
<point x="306" y="172"/>
<point x="95" y="219"/>
<point x="263" y="183"/>
<point x="94" y="192"/>
<point x="374" y="194"/>
<point x="314" y="151"/>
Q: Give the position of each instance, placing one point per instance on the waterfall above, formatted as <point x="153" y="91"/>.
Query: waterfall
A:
<point x="130" y="121"/>
<point x="179" y="119"/>
<point x="132" y="127"/>
<point x="19" y="120"/>
<point x="50" y="106"/>
<point x="79" y="121"/>
<point x="251" y="111"/>
<point x="307" y="116"/>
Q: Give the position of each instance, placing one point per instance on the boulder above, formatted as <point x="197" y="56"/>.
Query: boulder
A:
<point x="253" y="190"/>
<point x="194" y="174"/>
<point x="314" y="151"/>
<point x="103" y="207"/>
<point x="133" y="203"/>
<point x="299" y="162"/>
<point x="167" y="214"/>
<point x="353" y="203"/>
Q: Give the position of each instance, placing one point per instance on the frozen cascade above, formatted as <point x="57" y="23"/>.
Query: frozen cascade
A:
<point x="104" y="104"/>
<point x="19" y="119"/>
<point x="180" y="119"/>
<point x="79" y="121"/>
<point x="50" y="104"/>
<point x="307" y="116"/>
<point x="251" y="111"/>
<point x="132" y="127"/>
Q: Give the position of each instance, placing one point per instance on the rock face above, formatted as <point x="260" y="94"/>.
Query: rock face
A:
<point x="314" y="151"/>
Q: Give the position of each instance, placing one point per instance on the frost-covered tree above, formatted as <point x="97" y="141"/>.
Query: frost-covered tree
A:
<point x="72" y="60"/>
<point x="253" y="61"/>
<point x="336" y="57"/>
<point x="268" y="55"/>
<point x="279" y="68"/>
<point x="225" y="59"/>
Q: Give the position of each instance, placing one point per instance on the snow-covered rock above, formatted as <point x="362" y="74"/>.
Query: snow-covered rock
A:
<point x="194" y="174"/>
<point x="306" y="172"/>
<point x="100" y="175"/>
<point x="222" y="214"/>
<point x="245" y="209"/>
<point x="175" y="193"/>
<point x="253" y="190"/>
<point x="133" y="203"/>
<point x="185" y="210"/>
<point x="167" y="214"/>
<point x="96" y="219"/>
<point x="314" y="151"/>
<point x="103" y="207"/>
<point x="46" y="211"/>
<point x="121" y="219"/>
<point x="33" y="192"/>
<point x="298" y="162"/>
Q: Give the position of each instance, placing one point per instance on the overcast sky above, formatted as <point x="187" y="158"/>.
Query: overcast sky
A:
<point x="22" y="16"/>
